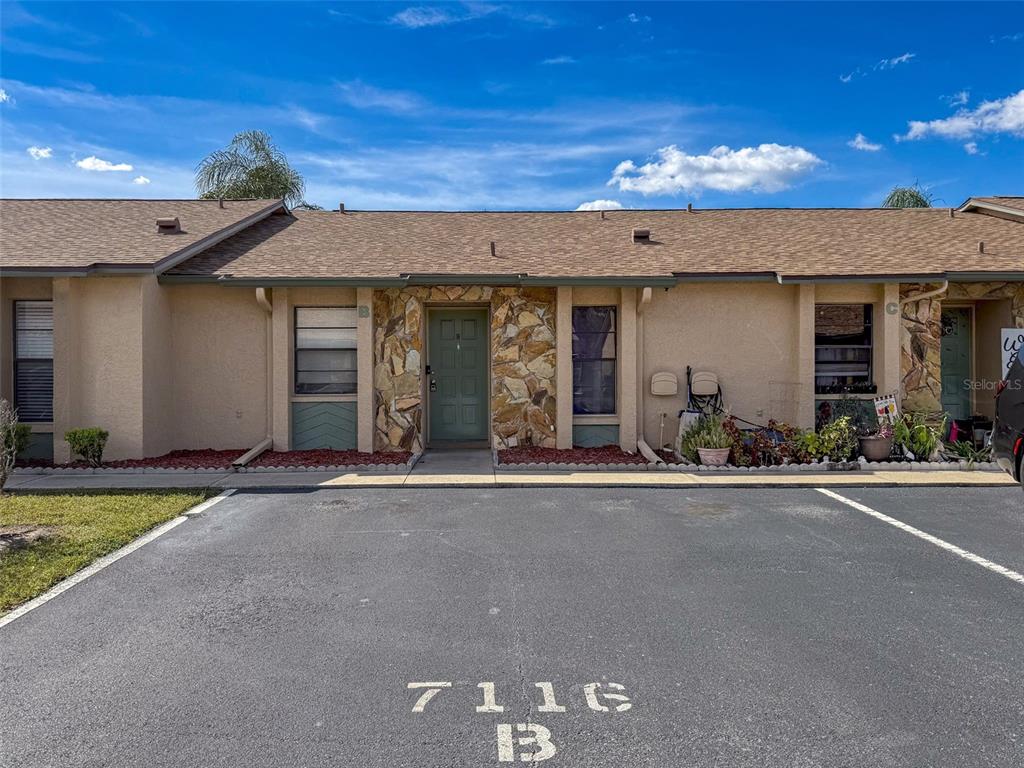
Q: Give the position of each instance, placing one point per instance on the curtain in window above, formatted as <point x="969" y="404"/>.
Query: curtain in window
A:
<point x="593" y="355"/>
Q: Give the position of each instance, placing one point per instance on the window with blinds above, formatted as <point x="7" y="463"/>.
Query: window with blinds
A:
<point x="325" y="350"/>
<point x="33" y="360"/>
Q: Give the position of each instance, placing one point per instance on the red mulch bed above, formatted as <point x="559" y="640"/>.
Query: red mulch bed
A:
<point x="201" y="459"/>
<point x="327" y="458"/>
<point x="606" y="454"/>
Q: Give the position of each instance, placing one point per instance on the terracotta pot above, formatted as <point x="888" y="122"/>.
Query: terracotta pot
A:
<point x="875" y="447"/>
<point x="714" y="457"/>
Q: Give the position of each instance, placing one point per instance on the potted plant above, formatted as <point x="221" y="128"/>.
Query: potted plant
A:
<point x="713" y="442"/>
<point x="877" y="445"/>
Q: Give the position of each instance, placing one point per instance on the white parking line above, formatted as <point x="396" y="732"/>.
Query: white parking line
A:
<point x="113" y="557"/>
<point x="969" y="556"/>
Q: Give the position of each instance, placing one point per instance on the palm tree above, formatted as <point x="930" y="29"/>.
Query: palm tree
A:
<point x="250" y="167"/>
<point x="908" y="197"/>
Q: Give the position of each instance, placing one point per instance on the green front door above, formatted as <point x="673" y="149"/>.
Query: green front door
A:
<point x="956" y="362"/>
<point x="457" y="378"/>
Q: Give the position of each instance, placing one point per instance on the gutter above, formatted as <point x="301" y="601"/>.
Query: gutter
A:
<point x="677" y="278"/>
<point x="268" y="441"/>
<point x="641" y="441"/>
<point x="403" y="281"/>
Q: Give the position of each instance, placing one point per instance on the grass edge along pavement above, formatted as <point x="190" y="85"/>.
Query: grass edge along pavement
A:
<point x="76" y="528"/>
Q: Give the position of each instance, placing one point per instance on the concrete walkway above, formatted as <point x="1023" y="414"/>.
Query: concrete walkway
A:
<point x="472" y="468"/>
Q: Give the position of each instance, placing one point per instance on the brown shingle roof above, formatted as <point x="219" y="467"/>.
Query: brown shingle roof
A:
<point x="86" y="235"/>
<point x="790" y="242"/>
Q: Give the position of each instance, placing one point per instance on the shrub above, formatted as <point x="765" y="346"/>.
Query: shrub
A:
<point x="13" y="439"/>
<point x="88" y="443"/>
<point x="763" y="446"/>
<point x="837" y="440"/>
<point x="919" y="437"/>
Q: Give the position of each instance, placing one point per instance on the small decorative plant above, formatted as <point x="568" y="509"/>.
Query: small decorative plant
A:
<point x="707" y="439"/>
<point x="962" y="450"/>
<point x="876" y="444"/>
<point x="88" y="443"/>
<point x="919" y="438"/>
<point x="837" y="440"/>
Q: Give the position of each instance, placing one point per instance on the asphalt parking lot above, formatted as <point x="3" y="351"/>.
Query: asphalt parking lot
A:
<point x="590" y="627"/>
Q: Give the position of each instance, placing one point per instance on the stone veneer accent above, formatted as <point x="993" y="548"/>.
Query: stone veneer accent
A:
<point x="522" y="363"/>
<point x="921" y="336"/>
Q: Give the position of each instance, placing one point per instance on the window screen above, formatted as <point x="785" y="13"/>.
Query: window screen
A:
<point x="593" y="359"/>
<point x="325" y="350"/>
<point x="33" y="360"/>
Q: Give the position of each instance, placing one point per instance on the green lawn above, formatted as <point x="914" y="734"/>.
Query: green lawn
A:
<point x="86" y="526"/>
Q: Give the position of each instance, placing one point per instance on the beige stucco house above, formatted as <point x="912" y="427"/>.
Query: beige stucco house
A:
<point x="179" y="324"/>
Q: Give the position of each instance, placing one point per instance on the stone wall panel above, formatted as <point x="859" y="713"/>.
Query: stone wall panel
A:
<point x="522" y="363"/>
<point x="921" y="336"/>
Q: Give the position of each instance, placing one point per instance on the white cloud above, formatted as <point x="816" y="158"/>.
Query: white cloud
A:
<point x="1016" y="37"/>
<point x="766" y="168"/>
<point x="998" y="116"/>
<point x="860" y="141"/>
<point x="559" y="60"/>
<point x="958" y="99"/>
<point x="415" y="18"/>
<point x="358" y="94"/>
<point x="895" y="61"/>
<point x="93" y="163"/>
<point x="4" y="96"/>
<point x="140" y="180"/>
<point x="971" y="147"/>
<point x="599" y="205"/>
<point x="879" y="66"/>
<point x="636" y="18"/>
<point x="40" y="153"/>
<point x="418" y="17"/>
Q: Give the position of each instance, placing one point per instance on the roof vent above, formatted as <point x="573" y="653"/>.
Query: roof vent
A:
<point x="641" y="235"/>
<point x="169" y="226"/>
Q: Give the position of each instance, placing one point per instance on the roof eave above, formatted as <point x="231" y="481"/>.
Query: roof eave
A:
<point x="1003" y="210"/>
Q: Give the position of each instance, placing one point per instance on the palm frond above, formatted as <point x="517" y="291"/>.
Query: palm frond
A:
<point x="251" y="166"/>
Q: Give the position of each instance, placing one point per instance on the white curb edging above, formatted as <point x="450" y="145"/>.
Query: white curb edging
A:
<point x="95" y="567"/>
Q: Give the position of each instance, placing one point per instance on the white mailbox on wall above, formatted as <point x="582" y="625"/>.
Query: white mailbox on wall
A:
<point x="665" y="384"/>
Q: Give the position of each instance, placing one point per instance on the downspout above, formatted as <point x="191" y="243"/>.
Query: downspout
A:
<point x="641" y="443"/>
<point x="926" y="295"/>
<point x="268" y="441"/>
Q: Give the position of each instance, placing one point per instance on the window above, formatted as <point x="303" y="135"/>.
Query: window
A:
<point x="842" y="348"/>
<point x="325" y="350"/>
<point x="33" y="360"/>
<point x="593" y="359"/>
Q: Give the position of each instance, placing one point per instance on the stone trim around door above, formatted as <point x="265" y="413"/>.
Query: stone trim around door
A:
<point x="921" y="336"/>
<point x="522" y="356"/>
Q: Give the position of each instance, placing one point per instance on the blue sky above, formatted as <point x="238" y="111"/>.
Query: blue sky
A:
<point x="520" y="106"/>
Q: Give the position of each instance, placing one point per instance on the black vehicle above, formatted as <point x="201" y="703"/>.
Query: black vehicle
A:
<point x="1008" y="434"/>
